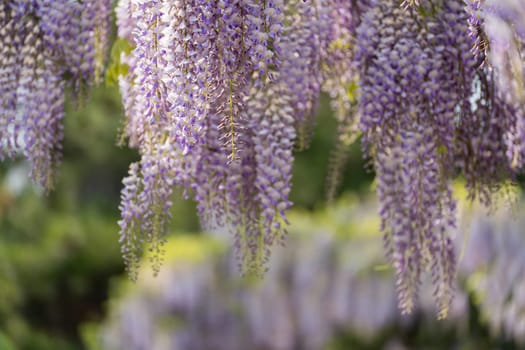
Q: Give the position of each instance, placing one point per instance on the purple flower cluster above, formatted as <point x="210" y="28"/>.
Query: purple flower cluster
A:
<point x="44" y="47"/>
<point x="503" y="28"/>
<point x="429" y="109"/>
<point x="215" y="95"/>
<point x="415" y="69"/>
<point x="340" y="81"/>
<point x="475" y="19"/>
<point x="441" y="94"/>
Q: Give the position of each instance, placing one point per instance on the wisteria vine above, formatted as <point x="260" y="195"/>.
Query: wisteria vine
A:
<point x="218" y="94"/>
<point x="47" y="47"/>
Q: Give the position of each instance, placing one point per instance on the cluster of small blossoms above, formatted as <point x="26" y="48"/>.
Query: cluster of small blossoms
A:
<point x="416" y="73"/>
<point x="502" y="26"/>
<point x="482" y="141"/>
<point x="441" y="94"/>
<point x="214" y="97"/>
<point x="339" y="82"/>
<point x="475" y="19"/>
<point x="305" y="75"/>
<point x="210" y="108"/>
<point x="45" y="46"/>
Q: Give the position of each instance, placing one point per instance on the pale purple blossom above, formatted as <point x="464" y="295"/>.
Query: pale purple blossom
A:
<point x="45" y="46"/>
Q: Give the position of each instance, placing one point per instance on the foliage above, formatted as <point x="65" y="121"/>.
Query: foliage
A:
<point x="53" y="269"/>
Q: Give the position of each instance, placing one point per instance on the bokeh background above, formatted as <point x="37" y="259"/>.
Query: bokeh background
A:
<point x="63" y="285"/>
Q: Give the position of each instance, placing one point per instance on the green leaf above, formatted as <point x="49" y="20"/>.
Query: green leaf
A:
<point x="116" y="68"/>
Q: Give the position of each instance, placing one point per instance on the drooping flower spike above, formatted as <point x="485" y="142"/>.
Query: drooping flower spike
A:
<point x="430" y="109"/>
<point x="45" y="46"/>
<point x="236" y="80"/>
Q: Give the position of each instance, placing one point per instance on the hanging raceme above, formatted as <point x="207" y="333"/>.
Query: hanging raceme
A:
<point x="217" y="94"/>
<point x="340" y="83"/>
<point x="429" y="110"/>
<point x="46" y="46"/>
<point x="235" y="81"/>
